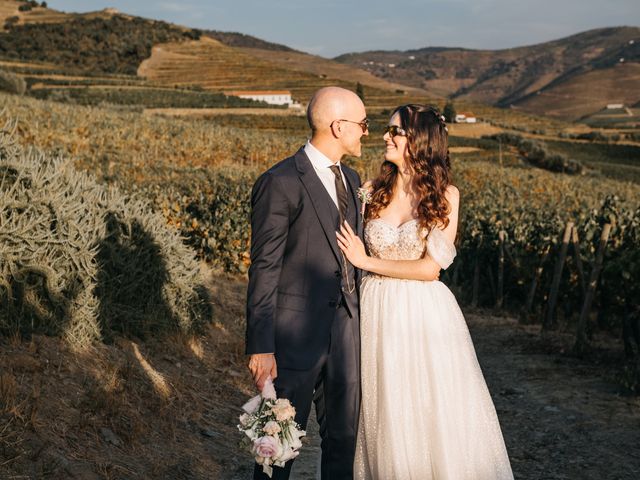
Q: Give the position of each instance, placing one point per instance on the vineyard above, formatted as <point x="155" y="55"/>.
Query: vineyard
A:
<point x="198" y="173"/>
<point x="125" y="181"/>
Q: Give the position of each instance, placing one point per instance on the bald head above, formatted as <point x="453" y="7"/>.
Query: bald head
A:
<point x="329" y="104"/>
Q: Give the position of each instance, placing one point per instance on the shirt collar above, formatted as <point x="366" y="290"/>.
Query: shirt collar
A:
<point x="318" y="159"/>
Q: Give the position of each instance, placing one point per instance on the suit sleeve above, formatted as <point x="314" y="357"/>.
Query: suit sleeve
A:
<point x="269" y="229"/>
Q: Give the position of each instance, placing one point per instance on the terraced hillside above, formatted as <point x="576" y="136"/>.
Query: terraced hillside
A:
<point x="591" y="91"/>
<point x="215" y="66"/>
<point x="40" y="14"/>
<point x="165" y="55"/>
<point x="564" y="70"/>
<point x="377" y="91"/>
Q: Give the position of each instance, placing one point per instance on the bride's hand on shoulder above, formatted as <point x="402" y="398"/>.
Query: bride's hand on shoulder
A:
<point x="352" y="246"/>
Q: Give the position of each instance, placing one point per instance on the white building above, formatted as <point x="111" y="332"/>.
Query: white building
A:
<point x="467" y="117"/>
<point x="273" y="97"/>
<point x="615" y="106"/>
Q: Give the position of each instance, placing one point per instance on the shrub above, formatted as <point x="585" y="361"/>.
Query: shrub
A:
<point x="11" y="21"/>
<point x="212" y="209"/>
<point x="449" y="112"/>
<point x="83" y="262"/>
<point x="537" y="154"/>
<point x="109" y="45"/>
<point x="12" y="83"/>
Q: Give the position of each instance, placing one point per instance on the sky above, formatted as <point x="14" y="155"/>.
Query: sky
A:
<point x="333" y="27"/>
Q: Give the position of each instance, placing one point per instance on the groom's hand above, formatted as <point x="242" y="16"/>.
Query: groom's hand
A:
<point x="262" y="365"/>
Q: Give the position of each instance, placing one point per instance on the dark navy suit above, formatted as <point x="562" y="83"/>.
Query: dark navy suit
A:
<point x="302" y="306"/>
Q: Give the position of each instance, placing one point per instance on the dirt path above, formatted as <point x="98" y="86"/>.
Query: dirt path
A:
<point x="167" y="409"/>
<point x="561" y="419"/>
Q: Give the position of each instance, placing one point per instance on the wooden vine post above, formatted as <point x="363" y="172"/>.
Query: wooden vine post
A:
<point x="476" y="282"/>
<point x="475" y="291"/>
<point x="500" y="295"/>
<point x="557" y="276"/>
<point x="581" y="336"/>
<point x="536" y="278"/>
<point x="576" y="254"/>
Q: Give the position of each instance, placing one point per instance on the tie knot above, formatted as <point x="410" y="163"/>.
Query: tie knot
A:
<point x="336" y="171"/>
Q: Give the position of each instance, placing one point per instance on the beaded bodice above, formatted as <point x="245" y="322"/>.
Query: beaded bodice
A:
<point x="393" y="243"/>
<point x="407" y="242"/>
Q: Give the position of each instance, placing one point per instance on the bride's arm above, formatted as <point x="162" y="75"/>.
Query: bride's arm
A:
<point x="421" y="269"/>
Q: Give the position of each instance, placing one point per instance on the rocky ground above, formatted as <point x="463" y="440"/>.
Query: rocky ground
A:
<point x="167" y="410"/>
<point x="562" y="418"/>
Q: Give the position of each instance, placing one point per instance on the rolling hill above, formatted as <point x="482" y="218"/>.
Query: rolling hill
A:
<point x="567" y="78"/>
<point x="214" y="66"/>
<point x="168" y="56"/>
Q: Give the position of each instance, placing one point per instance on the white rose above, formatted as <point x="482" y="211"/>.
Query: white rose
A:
<point x="283" y="410"/>
<point x="252" y="405"/>
<point x="271" y="428"/>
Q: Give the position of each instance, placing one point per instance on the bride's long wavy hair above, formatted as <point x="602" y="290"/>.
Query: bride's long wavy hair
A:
<point x="427" y="143"/>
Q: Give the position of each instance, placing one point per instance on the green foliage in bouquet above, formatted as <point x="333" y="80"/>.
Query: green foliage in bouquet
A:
<point x="84" y="262"/>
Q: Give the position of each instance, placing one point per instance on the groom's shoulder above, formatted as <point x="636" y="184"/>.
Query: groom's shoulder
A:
<point x="279" y="176"/>
<point x="284" y="168"/>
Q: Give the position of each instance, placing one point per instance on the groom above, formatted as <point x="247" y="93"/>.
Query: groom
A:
<point x="302" y="300"/>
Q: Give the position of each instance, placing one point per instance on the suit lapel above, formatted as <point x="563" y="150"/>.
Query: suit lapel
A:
<point x="320" y="200"/>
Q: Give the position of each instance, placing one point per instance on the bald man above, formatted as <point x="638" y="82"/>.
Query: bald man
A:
<point x="302" y="302"/>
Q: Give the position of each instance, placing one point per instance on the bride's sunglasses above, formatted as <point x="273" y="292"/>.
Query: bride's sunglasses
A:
<point x="394" y="130"/>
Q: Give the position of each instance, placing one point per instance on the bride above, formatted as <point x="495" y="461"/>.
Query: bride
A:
<point x="426" y="412"/>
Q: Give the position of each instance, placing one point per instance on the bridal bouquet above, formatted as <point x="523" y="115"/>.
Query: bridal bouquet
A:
<point x="270" y="433"/>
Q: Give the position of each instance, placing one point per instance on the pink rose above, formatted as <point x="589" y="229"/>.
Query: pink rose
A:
<point x="267" y="447"/>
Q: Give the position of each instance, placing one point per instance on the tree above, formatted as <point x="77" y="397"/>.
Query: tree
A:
<point x="449" y="112"/>
<point x="360" y="91"/>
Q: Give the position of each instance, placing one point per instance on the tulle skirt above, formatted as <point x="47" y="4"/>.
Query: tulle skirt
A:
<point x="426" y="411"/>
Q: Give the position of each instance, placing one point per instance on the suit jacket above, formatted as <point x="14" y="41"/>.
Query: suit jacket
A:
<point x="295" y="278"/>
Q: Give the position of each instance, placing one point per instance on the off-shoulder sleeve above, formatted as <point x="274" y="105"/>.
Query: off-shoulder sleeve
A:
<point x="440" y="248"/>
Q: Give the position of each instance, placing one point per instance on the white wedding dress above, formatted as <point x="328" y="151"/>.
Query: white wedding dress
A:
<point x="426" y="412"/>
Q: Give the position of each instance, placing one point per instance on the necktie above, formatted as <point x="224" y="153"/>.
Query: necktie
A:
<point x="342" y="207"/>
<point x="341" y="192"/>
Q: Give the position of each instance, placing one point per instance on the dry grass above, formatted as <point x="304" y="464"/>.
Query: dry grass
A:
<point x="473" y="130"/>
<point x="588" y="93"/>
<point x="217" y="67"/>
<point x="206" y="112"/>
<point x="128" y="410"/>
<point x="9" y="8"/>
<point x="322" y="67"/>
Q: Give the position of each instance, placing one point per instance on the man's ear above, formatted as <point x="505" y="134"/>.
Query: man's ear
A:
<point x="336" y="129"/>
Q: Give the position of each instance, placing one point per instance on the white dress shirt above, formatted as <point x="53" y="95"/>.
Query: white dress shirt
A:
<point x="321" y="164"/>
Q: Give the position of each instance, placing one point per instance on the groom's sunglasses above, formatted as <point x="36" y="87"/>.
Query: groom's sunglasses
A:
<point x="364" y="124"/>
<point x="394" y="130"/>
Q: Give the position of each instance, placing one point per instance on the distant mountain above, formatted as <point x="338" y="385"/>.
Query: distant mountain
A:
<point x="569" y="78"/>
<point x="533" y="78"/>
